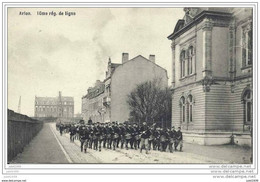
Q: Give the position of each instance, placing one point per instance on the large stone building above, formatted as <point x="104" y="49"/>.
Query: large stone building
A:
<point x="212" y="75"/>
<point x="107" y="100"/>
<point x="61" y="107"/>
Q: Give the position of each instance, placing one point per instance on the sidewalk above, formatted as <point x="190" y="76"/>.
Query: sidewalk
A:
<point x="43" y="149"/>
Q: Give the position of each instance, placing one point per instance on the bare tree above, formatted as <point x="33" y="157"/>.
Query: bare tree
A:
<point x="151" y="103"/>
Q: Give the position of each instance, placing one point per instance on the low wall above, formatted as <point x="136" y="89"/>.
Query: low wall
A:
<point x="217" y="138"/>
<point x="21" y="130"/>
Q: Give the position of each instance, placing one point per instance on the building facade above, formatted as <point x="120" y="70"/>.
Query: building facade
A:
<point x="109" y="101"/>
<point x="61" y="107"/>
<point x="212" y="75"/>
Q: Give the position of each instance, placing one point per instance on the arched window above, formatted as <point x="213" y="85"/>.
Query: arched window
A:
<point x="182" y="60"/>
<point x="189" y="108"/>
<point x="190" y="59"/>
<point x="182" y="105"/>
<point x="247" y="45"/>
<point x="248" y="110"/>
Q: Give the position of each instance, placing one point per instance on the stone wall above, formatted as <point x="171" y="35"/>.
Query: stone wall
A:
<point x="21" y="130"/>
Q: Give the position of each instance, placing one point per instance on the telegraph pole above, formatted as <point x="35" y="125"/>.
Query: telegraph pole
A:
<point x="19" y="105"/>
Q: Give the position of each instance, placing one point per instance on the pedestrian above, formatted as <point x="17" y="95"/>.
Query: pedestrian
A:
<point x="179" y="139"/>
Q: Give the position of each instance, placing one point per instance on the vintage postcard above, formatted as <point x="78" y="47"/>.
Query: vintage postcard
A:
<point x="150" y="88"/>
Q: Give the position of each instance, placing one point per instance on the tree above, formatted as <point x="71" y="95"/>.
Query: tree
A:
<point x="150" y="102"/>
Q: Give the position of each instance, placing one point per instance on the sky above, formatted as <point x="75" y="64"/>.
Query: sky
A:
<point x="48" y="54"/>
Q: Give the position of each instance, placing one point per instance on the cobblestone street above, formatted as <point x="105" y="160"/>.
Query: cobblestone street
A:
<point x="49" y="147"/>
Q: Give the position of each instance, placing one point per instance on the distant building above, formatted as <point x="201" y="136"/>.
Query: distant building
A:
<point x="61" y="107"/>
<point x="107" y="100"/>
<point x="212" y="75"/>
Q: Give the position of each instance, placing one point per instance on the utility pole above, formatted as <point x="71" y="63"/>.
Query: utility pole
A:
<point x="19" y="105"/>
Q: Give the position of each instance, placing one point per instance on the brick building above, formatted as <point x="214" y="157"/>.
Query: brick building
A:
<point x="212" y="75"/>
<point x="106" y="101"/>
<point x="60" y="106"/>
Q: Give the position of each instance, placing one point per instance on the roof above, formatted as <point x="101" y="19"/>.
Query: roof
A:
<point x="115" y="65"/>
<point x="52" y="100"/>
<point x="179" y="29"/>
<point x="146" y="60"/>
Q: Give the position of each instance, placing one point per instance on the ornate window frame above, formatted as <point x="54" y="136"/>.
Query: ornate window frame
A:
<point x="247" y="45"/>
<point x="247" y="100"/>
<point x="182" y="109"/>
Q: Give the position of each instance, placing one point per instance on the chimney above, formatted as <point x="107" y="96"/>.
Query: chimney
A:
<point x="59" y="93"/>
<point x="152" y="58"/>
<point x="125" y="57"/>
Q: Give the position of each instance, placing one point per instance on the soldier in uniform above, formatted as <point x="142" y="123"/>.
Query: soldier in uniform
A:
<point x="137" y="137"/>
<point x="172" y="135"/>
<point x="132" y="129"/>
<point x="101" y="136"/>
<point x="61" y="129"/>
<point x="145" y="134"/>
<point x="96" y="134"/>
<point x="179" y="139"/>
<point x="109" y="136"/>
<point x="128" y="136"/>
<point x="81" y="137"/>
<point x="72" y="131"/>
<point x="91" y="134"/>
<point x="115" y="135"/>
<point x="163" y="140"/>
<point x="122" y="132"/>
<point x="156" y="138"/>
<point x="105" y="132"/>
<point x="151" y="138"/>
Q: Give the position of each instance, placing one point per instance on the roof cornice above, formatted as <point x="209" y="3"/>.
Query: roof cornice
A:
<point x="199" y="18"/>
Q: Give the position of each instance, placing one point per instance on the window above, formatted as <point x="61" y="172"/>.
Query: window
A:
<point x="247" y="45"/>
<point x="182" y="104"/>
<point x="189" y="108"/>
<point x="247" y="98"/>
<point x="190" y="59"/>
<point x="182" y="60"/>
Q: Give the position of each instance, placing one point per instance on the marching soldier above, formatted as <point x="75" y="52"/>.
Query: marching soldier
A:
<point x="61" y="129"/>
<point x="115" y="135"/>
<point x="82" y="137"/>
<point x="151" y="138"/>
<point x="122" y="132"/>
<point x="86" y="138"/>
<point x="91" y="135"/>
<point x="105" y="132"/>
<point x="172" y="135"/>
<point x="72" y="131"/>
<point x="109" y="136"/>
<point x="128" y="136"/>
<point x="179" y="139"/>
<point x="156" y="139"/>
<point x="96" y="134"/>
<point x="145" y="134"/>
<point x="163" y="140"/>
<point x="137" y="137"/>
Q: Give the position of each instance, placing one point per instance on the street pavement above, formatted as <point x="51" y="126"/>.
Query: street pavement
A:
<point x="49" y="147"/>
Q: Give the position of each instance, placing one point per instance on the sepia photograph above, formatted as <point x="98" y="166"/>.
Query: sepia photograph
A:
<point x="138" y="85"/>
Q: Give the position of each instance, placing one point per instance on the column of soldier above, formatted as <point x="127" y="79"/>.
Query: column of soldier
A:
<point x="113" y="135"/>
